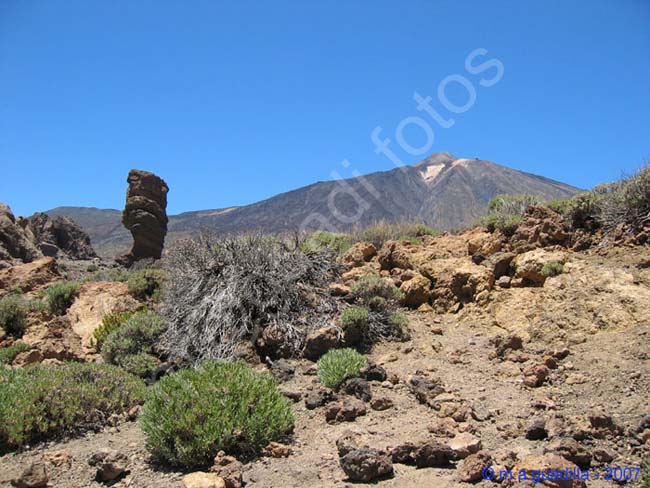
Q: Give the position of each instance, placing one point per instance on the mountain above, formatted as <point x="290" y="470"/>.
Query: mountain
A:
<point x="443" y="191"/>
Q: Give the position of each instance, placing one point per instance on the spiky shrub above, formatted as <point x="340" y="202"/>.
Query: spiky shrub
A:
<point x="110" y="322"/>
<point x="552" y="268"/>
<point x="505" y="211"/>
<point x="13" y="315"/>
<point x="381" y="298"/>
<point x="338" y="365"/>
<point x="146" y="283"/>
<point x="223" y="291"/>
<point x="44" y="402"/>
<point x="139" y="334"/>
<point x="59" y="296"/>
<point x="628" y="201"/>
<point x="323" y="240"/>
<point x="9" y="353"/>
<point x="193" y="414"/>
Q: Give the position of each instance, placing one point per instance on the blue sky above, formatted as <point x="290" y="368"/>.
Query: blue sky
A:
<point x="235" y="101"/>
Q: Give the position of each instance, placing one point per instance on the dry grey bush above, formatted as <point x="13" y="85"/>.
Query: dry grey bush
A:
<point x="225" y="290"/>
<point x="627" y="201"/>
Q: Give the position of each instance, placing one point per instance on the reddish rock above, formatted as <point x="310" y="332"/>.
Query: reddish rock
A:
<point x="536" y="375"/>
<point x="366" y="465"/>
<point x="393" y="254"/>
<point x="470" y="470"/>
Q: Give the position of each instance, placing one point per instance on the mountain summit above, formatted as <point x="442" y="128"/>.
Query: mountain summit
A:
<point x="443" y="191"/>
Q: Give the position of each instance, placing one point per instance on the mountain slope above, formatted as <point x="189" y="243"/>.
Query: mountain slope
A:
<point x="443" y="191"/>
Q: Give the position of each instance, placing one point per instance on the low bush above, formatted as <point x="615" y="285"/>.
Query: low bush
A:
<point x="322" y="240"/>
<point x="59" y="296"/>
<point x="193" y="414"/>
<point x="110" y="322"/>
<point x="9" y="353"/>
<point x="338" y="365"/>
<point x="505" y="211"/>
<point x="375" y="292"/>
<point x="354" y="317"/>
<point x="381" y="231"/>
<point x="225" y="290"/>
<point x="552" y="268"/>
<point x="627" y="201"/>
<point x="13" y="315"/>
<point x="141" y="364"/>
<point x="645" y="475"/>
<point x="138" y="334"/>
<point x="44" y="402"/>
<point x="146" y="283"/>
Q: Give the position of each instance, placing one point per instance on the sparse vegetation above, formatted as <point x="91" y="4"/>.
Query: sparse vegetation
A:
<point x="136" y="336"/>
<point x="645" y="474"/>
<point x="223" y="291"/>
<point x="322" y="240"/>
<point x="504" y="212"/>
<point x="380" y="297"/>
<point x="110" y="322"/>
<point x="195" y="413"/>
<point x="338" y="365"/>
<point x="146" y="283"/>
<point x="41" y="402"/>
<point x="383" y="230"/>
<point x="627" y="202"/>
<point x="13" y="315"/>
<point x="9" y="353"/>
<point x="553" y="268"/>
<point x="59" y="296"/>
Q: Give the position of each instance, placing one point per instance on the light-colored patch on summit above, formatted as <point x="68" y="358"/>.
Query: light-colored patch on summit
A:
<point x="462" y="162"/>
<point x="430" y="173"/>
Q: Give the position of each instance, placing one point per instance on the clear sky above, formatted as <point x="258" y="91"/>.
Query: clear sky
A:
<point x="235" y="101"/>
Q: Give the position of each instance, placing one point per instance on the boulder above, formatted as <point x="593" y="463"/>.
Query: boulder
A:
<point x="573" y="451"/>
<point x="229" y="469"/>
<point x="417" y="291"/>
<point x="528" y="266"/>
<point x="60" y="236"/>
<point x="203" y="480"/>
<point x="30" y="276"/>
<point x="499" y="263"/>
<point x="381" y="403"/>
<point x="470" y="470"/>
<point x="345" y="411"/>
<point x="96" y="299"/>
<point x="145" y="215"/>
<point x="357" y="387"/>
<point x="533" y="465"/>
<point x="359" y="254"/>
<point x="535" y="375"/>
<point x="464" y="444"/>
<point x="456" y="281"/>
<point x="16" y="240"/>
<point x="320" y="341"/>
<point x="110" y="464"/>
<point x="366" y="465"/>
<point x="35" y="476"/>
<point x="393" y="254"/>
<point x="433" y="455"/>
<point x="540" y="227"/>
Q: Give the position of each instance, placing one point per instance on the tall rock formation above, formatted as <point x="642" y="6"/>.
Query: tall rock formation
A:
<point x="16" y="240"/>
<point x="145" y="215"/>
<point x="60" y="236"/>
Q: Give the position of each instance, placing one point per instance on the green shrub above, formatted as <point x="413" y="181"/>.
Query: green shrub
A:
<point x="416" y="241"/>
<point x="146" y="283"/>
<point x="60" y="296"/>
<point x="110" y="322"/>
<point x="425" y="230"/>
<point x="645" y="475"/>
<point x="137" y="335"/>
<point x="13" y="315"/>
<point x="504" y="212"/>
<point x="9" y="353"/>
<point x="552" y="268"/>
<point x="321" y="240"/>
<point x="399" y="319"/>
<point x="375" y="292"/>
<point x="43" y="402"/>
<point x="559" y="206"/>
<point x="338" y="365"/>
<point x="193" y="414"/>
<point x="141" y="364"/>
<point x="354" y="317"/>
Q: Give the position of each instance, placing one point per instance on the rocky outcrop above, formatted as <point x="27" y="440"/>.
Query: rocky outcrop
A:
<point x="30" y="276"/>
<point x="16" y="240"/>
<point x="60" y="236"/>
<point x="541" y="227"/>
<point x="145" y="215"/>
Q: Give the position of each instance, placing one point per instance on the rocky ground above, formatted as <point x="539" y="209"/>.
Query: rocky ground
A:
<point x="530" y="374"/>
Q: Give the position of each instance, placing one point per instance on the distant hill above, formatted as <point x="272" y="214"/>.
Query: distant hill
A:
<point x="442" y="191"/>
